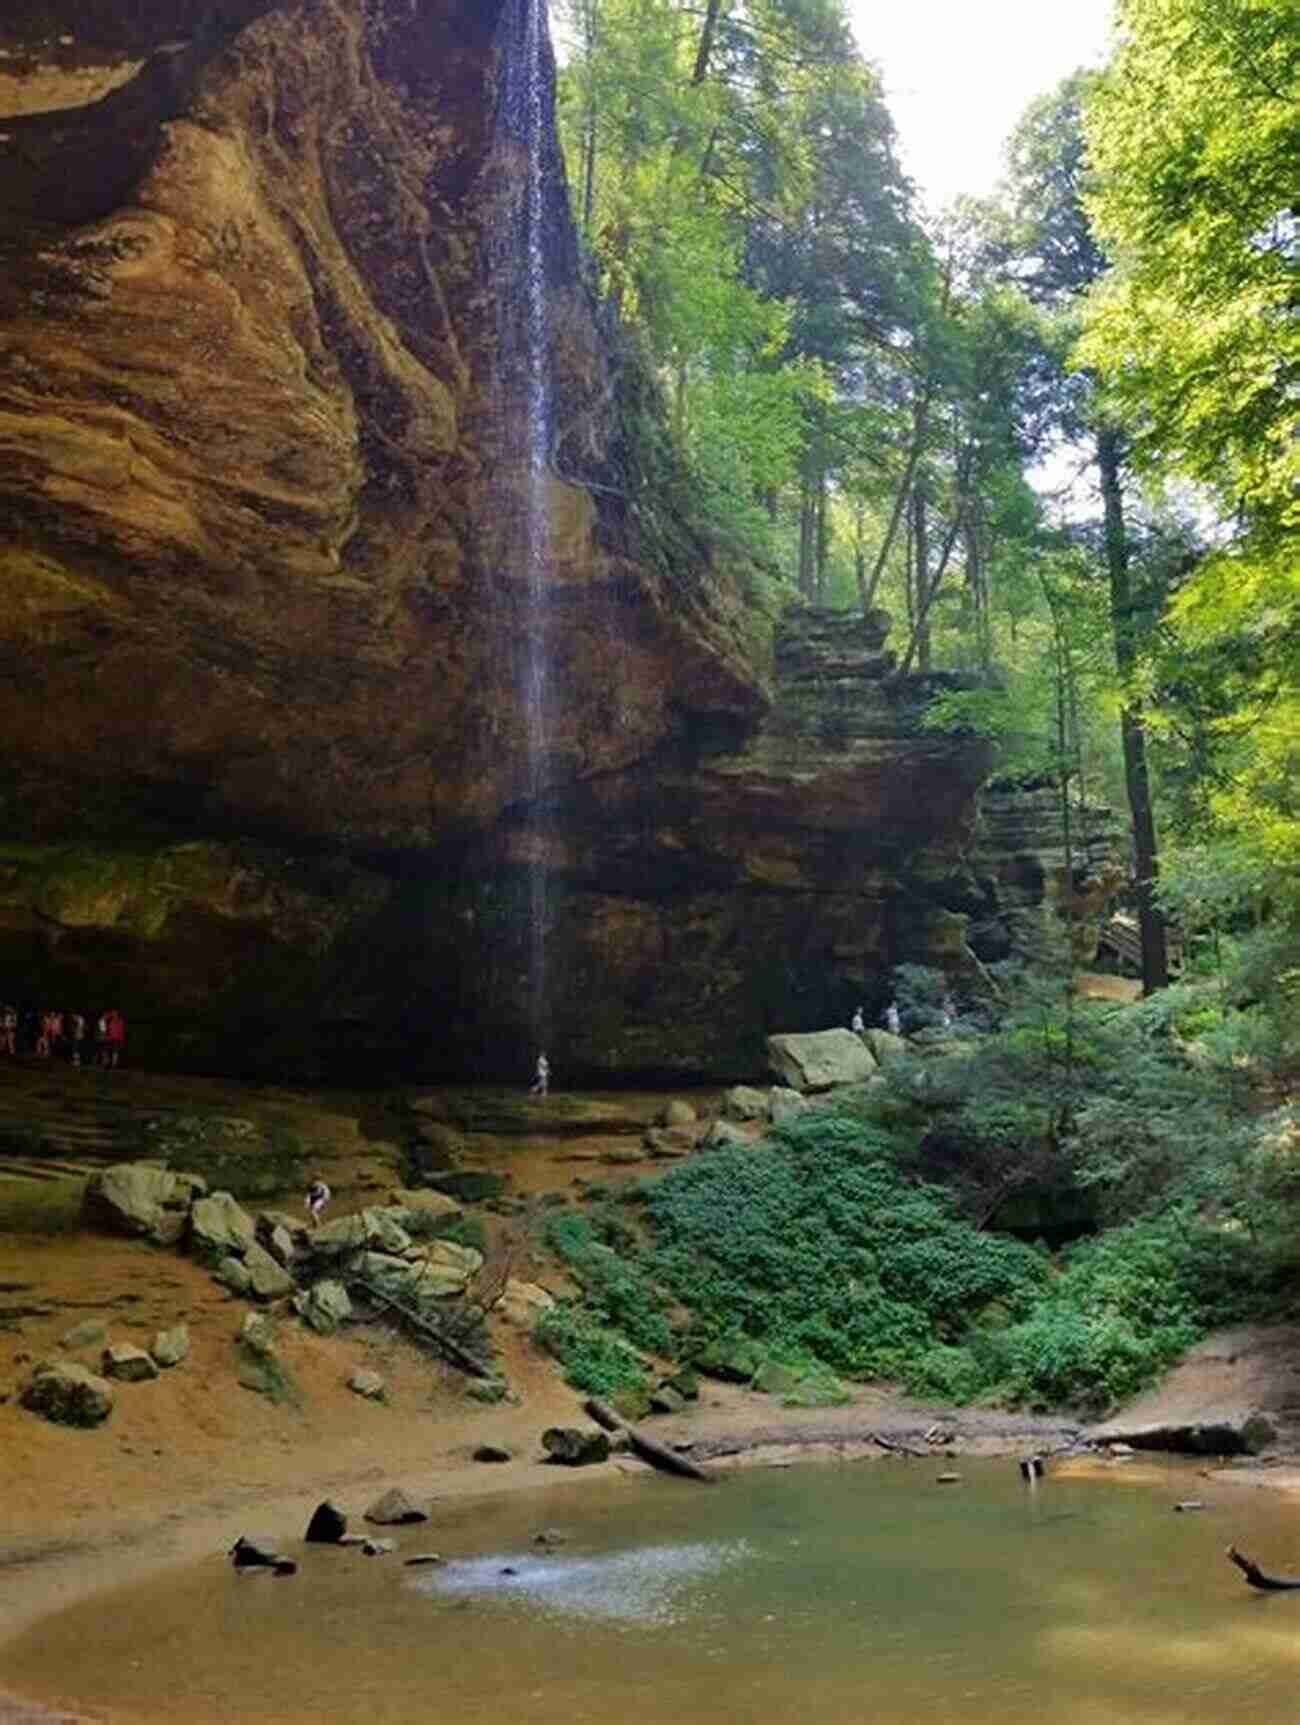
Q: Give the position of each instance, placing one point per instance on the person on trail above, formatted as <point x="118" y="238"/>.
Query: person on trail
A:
<point x="947" y="1013"/>
<point x="116" y="1037"/>
<point x="76" y="1036"/>
<point x="101" y="1038"/>
<point x="893" y="1019"/>
<point x="318" y="1196"/>
<point x="859" y="1023"/>
<point x="541" y="1083"/>
<point x="8" y="1030"/>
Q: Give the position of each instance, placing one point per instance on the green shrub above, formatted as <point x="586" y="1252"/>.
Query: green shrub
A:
<point x="616" y="1289"/>
<point x="594" y="1359"/>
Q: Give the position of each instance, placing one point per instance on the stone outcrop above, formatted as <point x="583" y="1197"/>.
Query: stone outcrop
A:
<point x="138" y="1199"/>
<point x="820" y="1060"/>
<point x="259" y="577"/>
<point x="68" y="1394"/>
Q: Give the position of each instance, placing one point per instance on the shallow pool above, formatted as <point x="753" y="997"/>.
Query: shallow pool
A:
<point x="809" y="1596"/>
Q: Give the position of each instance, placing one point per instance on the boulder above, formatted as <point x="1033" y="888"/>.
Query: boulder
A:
<point x="686" y="1384"/>
<point x="327" y="1525"/>
<point x="666" y="1400"/>
<point x="394" y="1509"/>
<point x="85" y="1335"/>
<point x="422" y="1212"/>
<point x="367" y="1384"/>
<point x="220" y="1228"/>
<point x="68" y="1394"/>
<point x="1230" y="1433"/>
<point x="523" y="1303"/>
<point x="170" y="1347"/>
<point x="667" y="1142"/>
<point x="444" y="1269"/>
<point x="723" y="1134"/>
<point x="492" y="1452"/>
<point x="575" y="1446"/>
<point x="490" y="1391"/>
<point x="885" y="1046"/>
<point x="785" y="1104"/>
<point x="232" y="1274"/>
<point x="141" y="1200"/>
<point x="734" y="1359"/>
<point x="743" y="1102"/>
<point x="131" y="1365"/>
<point x="324" y="1306"/>
<point x="378" y="1547"/>
<point x="257" y="1335"/>
<point x="369" y="1230"/>
<point x="676" y="1113"/>
<point x="267" y="1279"/>
<point x="820" y="1059"/>
<point x="279" y="1235"/>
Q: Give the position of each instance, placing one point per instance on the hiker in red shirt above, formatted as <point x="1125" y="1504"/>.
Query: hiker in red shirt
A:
<point x="116" y="1037"/>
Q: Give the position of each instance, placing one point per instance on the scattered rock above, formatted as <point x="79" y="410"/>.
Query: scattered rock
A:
<point x="367" y="1384"/>
<point x="277" y="1239"/>
<point x="141" y="1200"/>
<point x="948" y="1479"/>
<point x="677" y="1113"/>
<point x="257" y="1334"/>
<point x="523" y="1303"/>
<point x="666" y="1400"/>
<point x="267" y="1279"/>
<point x="327" y="1525"/>
<point x="130" y="1365"/>
<point x="785" y="1104"/>
<point x="743" y="1102"/>
<point x="622" y="1155"/>
<point x="232" y="1274"/>
<point x="668" y="1142"/>
<point x="885" y="1046"/>
<point x="324" y="1307"/>
<point x="394" y="1509"/>
<point x="686" y="1383"/>
<point x="422" y="1211"/>
<point x="68" y="1394"/>
<point x="722" y="1134"/>
<point x="820" y="1059"/>
<point x="378" y="1547"/>
<point x="422" y="1558"/>
<point x="254" y="1554"/>
<point x="170" y="1347"/>
<point x="550" y="1537"/>
<point x="575" y="1446"/>
<point x="734" y="1360"/>
<point x="1189" y="1504"/>
<point x="492" y="1452"/>
<point x="86" y="1335"/>
<point x="220" y="1228"/>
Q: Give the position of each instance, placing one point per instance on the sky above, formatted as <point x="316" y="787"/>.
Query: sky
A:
<point x="959" y="73"/>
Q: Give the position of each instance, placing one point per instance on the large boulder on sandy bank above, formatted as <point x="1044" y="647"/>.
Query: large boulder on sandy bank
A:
<point x="575" y="1446"/>
<point x="885" y="1046"/>
<point x="820" y="1059"/>
<point x="442" y="1270"/>
<point x="141" y="1200"/>
<point x="369" y="1230"/>
<point x="394" y="1509"/>
<point x="267" y="1279"/>
<point x="68" y="1394"/>
<point x="220" y="1228"/>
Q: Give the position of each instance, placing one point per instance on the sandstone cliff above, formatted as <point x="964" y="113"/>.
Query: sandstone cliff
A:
<point x="268" y="780"/>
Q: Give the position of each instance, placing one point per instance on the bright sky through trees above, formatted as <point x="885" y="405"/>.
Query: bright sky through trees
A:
<point x="958" y="75"/>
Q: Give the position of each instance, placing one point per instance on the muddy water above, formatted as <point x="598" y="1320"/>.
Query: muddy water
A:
<point x="813" y="1596"/>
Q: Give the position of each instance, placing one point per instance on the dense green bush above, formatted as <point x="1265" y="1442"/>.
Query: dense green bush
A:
<point x="594" y="1358"/>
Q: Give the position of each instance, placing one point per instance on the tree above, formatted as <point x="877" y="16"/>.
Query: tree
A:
<point x="1055" y="255"/>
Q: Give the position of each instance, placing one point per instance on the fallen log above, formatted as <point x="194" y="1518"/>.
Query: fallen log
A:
<point x="1259" y="1578"/>
<point x="649" y="1449"/>
<point x="896" y="1448"/>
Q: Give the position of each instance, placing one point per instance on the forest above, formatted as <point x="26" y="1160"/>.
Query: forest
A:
<point x="1053" y="434"/>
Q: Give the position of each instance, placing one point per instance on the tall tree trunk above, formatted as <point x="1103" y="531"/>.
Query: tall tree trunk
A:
<point x="589" y="123"/>
<point x="822" y="543"/>
<point x="1155" y="962"/>
<point x="708" y="33"/>
<point x="920" y="428"/>
<point x="807" y="532"/>
<point x="921" y="558"/>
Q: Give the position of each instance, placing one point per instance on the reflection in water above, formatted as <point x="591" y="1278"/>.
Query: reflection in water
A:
<point x="816" y="1596"/>
<point x="649" y="1584"/>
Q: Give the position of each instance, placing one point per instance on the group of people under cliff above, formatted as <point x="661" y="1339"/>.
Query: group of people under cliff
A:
<point x="51" y="1033"/>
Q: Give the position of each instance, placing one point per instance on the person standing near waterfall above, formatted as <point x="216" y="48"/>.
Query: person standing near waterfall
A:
<point x="541" y="1084"/>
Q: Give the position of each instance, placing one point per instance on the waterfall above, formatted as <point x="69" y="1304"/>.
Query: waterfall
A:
<point x="529" y="177"/>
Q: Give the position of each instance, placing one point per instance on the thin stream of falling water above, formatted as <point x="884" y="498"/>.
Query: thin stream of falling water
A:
<point x="524" y="135"/>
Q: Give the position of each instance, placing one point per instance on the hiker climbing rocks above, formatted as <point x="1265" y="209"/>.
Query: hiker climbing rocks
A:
<point x="893" y="1019"/>
<point x="859" y="1023"/>
<point x="318" y="1196"/>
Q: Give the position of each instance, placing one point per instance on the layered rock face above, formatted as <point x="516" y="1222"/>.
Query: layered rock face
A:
<point x="269" y="782"/>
